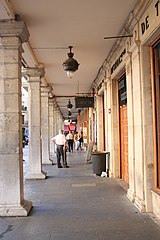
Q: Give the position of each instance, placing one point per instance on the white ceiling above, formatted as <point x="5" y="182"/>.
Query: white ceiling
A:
<point x="56" y="24"/>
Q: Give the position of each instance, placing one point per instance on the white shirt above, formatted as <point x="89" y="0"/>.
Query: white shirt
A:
<point x="69" y="136"/>
<point x="59" y="139"/>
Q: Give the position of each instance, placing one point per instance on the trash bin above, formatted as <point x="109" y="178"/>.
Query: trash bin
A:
<point x="98" y="162"/>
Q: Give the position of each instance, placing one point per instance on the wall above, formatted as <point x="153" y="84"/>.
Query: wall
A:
<point x="133" y="56"/>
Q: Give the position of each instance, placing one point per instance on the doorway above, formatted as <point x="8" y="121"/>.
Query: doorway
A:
<point x="156" y="95"/>
<point x="123" y="127"/>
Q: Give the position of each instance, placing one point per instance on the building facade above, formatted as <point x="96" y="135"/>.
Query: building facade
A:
<point x="127" y="107"/>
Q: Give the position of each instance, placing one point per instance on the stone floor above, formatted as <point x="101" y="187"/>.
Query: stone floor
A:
<point x="73" y="203"/>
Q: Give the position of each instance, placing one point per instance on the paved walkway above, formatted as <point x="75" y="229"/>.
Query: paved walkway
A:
<point x="74" y="204"/>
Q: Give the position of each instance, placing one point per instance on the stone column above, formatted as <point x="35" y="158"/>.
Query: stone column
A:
<point x="114" y="121"/>
<point x="148" y="150"/>
<point x="58" y="126"/>
<point x="55" y="131"/>
<point x="105" y="115"/>
<point x="45" y="124"/>
<point x="90" y="125"/>
<point x="138" y="126"/>
<point x="54" y="119"/>
<point x="109" y="124"/>
<point x="51" y="128"/>
<point x="109" y="114"/>
<point x="131" y="144"/>
<point x="59" y="120"/>
<point x="34" y="107"/>
<point x="100" y="131"/>
<point x="12" y="202"/>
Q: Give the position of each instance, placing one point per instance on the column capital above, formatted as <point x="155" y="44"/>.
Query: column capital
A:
<point x="45" y="89"/>
<point x="104" y="85"/>
<point x="34" y="72"/>
<point x="108" y="80"/>
<point x="51" y="101"/>
<point x="10" y="28"/>
<point x="135" y="46"/>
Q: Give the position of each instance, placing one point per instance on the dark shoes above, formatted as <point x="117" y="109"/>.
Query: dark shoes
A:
<point x="64" y="167"/>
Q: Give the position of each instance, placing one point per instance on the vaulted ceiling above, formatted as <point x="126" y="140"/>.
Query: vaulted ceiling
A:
<point x="54" y="25"/>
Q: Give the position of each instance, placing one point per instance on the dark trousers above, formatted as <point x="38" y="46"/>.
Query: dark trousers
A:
<point x="70" y="145"/>
<point x="79" y="145"/>
<point x="61" y="153"/>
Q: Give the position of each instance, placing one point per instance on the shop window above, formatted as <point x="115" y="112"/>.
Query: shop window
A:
<point x="122" y="91"/>
<point x="22" y="119"/>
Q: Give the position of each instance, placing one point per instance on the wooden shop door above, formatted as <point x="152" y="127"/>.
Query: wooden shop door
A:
<point x="123" y="128"/>
<point x="124" y="143"/>
<point x="156" y="61"/>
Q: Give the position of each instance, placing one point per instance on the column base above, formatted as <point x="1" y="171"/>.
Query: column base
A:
<point x="52" y="156"/>
<point x="156" y="204"/>
<point x="39" y="175"/>
<point x="16" y="210"/>
<point x="46" y="162"/>
<point x="131" y="195"/>
<point x="140" y="204"/>
<point x="111" y="174"/>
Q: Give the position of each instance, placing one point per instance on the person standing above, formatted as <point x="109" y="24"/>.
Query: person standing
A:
<point x="60" y="141"/>
<point x="80" y="141"/>
<point x="76" y="140"/>
<point x="69" y="138"/>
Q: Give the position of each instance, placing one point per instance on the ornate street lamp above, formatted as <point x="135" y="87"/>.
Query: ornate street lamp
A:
<point x="69" y="105"/>
<point x="70" y="65"/>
